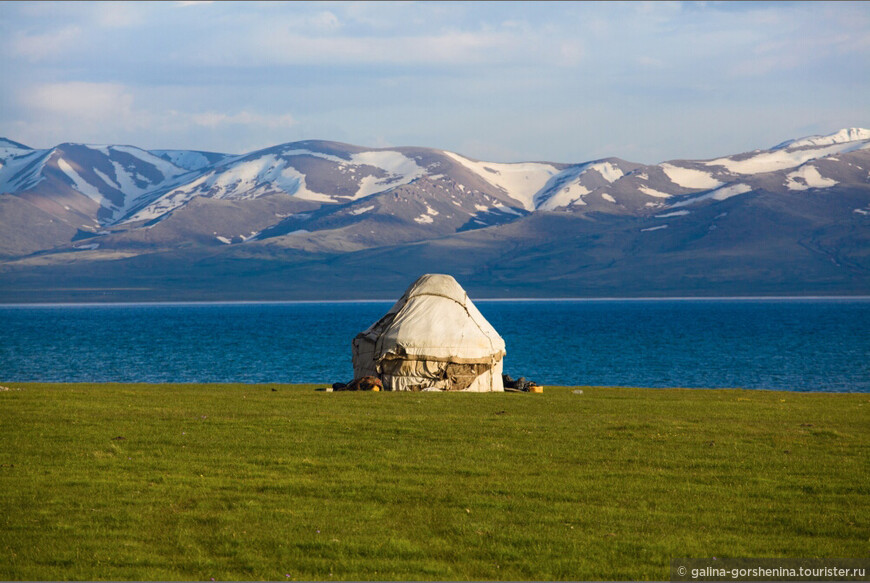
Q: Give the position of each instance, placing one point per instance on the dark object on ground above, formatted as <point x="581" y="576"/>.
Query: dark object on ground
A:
<point x="363" y="384"/>
<point x="521" y="384"/>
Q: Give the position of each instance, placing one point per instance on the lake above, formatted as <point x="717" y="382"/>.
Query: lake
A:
<point x="785" y="344"/>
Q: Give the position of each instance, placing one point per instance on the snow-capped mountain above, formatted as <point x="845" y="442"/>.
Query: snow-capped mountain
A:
<point x="330" y="199"/>
<point x="809" y="163"/>
<point x="114" y="185"/>
<point x="316" y="172"/>
<point x="350" y="191"/>
<point x="98" y="183"/>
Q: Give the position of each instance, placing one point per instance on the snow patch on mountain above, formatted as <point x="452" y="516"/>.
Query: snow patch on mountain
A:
<point x="81" y="184"/>
<point x="164" y="167"/>
<point x="426" y="218"/>
<point x="8" y="150"/>
<point x="107" y="179"/>
<point x="244" y="179"/>
<point x="774" y="160"/>
<point x="807" y="177"/>
<point x="134" y="172"/>
<point x="689" y="177"/>
<point x="569" y="194"/>
<point x="843" y="136"/>
<point x="507" y="210"/>
<point x="673" y="214"/>
<point x="361" y="210"/>
<point x="653" y="192"/>
<point x="127" y="179"/>
<point x="608" y="171"/>
<point x="719" y="194"/>
<point x="401" y="170"/>
<point x="240" y="181"/>
<point x="23" y="172"/>
<point x="127" y="182"/>
<point x="566" y="188"/>
<point x="521" y="181"/>
<point x="241" y="178"/>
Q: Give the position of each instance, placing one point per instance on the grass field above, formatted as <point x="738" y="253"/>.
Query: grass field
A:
<point x="157" y="482"/>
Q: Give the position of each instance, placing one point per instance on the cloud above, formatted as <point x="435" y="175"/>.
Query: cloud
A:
<point x="566" y="77"/>
<point x="118" y="14"/>
<point x="811" y="48"/>
<point x="115" y="103"/>
<point x="648" y="62"/>
<point x="81" y="111"/>
<point x="214" y="119"/>
<point x="451" y="47"/>
<point x="38" y="47"/>
<point x="325" y="22"/>
<point x="91" y="101"/>
<point x="571" y="52"/>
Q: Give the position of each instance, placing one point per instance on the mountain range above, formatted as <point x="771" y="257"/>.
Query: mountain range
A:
<point x="324" y="220"/>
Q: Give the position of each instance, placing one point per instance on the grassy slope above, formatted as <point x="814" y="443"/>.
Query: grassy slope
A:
<point x="242" y="482"/>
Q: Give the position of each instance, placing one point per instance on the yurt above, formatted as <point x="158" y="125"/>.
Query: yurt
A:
<point x="432" y="339"/>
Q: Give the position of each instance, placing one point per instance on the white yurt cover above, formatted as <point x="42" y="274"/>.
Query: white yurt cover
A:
<point x="433" y="338"/>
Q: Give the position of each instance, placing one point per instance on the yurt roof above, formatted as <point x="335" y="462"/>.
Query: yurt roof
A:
<point x="435" y="320"/>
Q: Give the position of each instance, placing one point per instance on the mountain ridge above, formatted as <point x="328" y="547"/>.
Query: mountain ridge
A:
<point x="301" y="207"/>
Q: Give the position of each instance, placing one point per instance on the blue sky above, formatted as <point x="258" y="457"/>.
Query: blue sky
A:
<point x="499" y="81"/>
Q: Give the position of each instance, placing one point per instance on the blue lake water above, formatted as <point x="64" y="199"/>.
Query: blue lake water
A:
<point x="799" y="345"/>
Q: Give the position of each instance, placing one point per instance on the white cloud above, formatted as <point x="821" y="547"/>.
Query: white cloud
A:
<point x="648" y="62"/>
<point x="571" y="52"/>
<point x="791" y="53"/>
<point x="450" y="47"/>
<point x="282" y="47"/>
<point x="118" y="14"/>
<point x="214" y="119"/>
<point x="325" y="22"/>
<point x="563" y="81"/>
<point x="114" y="103"/>
<point x="91" y="101"/>
<point x="115" y="113"/>
<point x="38" y="47"/>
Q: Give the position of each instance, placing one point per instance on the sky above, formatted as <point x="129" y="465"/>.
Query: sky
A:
<point x="498" y="81"/>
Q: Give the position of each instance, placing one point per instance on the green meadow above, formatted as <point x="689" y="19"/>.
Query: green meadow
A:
<point x="283" y="482"/>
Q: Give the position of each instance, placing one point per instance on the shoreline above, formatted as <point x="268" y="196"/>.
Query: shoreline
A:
<point x="6" y="385"/>
<point x="859" y="298"/>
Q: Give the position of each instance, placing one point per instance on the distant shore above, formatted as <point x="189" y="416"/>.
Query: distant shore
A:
<point x="380" y="301"/>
